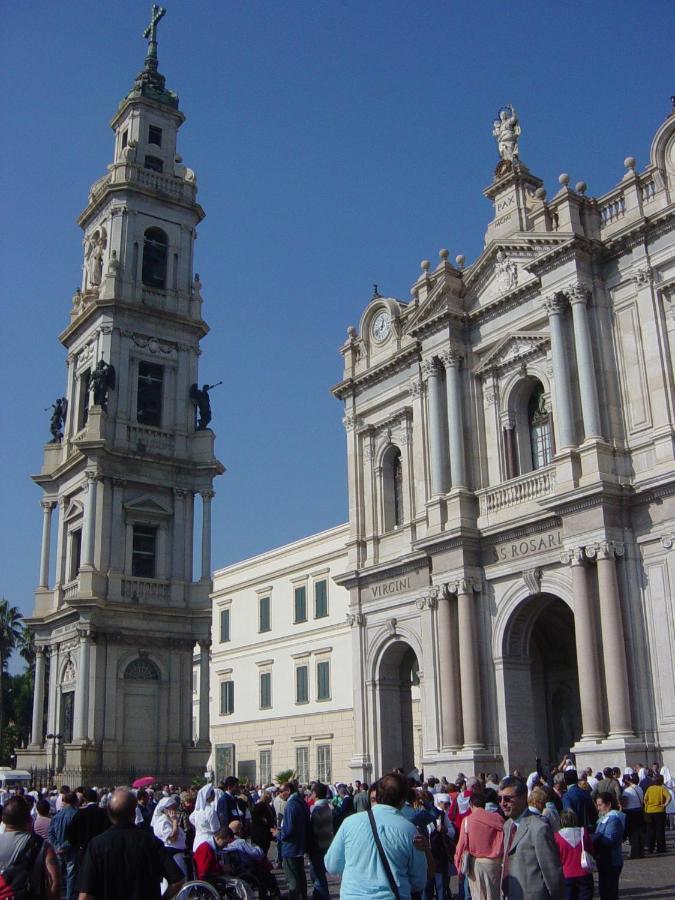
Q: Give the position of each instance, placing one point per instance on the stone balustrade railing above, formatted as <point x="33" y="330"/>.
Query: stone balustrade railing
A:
<point x="613" y="208"/>
<point x="531" y="486"/>
<point x="152" y="438"/>
<point x="151" y="590"/>
<point x="71" y="591"/>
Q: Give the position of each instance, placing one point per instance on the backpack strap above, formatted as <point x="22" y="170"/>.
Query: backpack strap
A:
<point x="383" y="856"/>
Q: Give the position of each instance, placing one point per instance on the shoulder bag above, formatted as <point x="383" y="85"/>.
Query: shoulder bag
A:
<point x="587" y="862"/>
<point x="383" y="856"/>
<point x="466" y="860"/>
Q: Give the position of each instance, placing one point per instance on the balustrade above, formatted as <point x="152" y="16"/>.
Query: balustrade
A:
<point x="531" y="486"/>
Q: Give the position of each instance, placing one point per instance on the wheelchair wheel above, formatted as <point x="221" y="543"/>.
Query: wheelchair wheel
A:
<point x="198" y="890"/>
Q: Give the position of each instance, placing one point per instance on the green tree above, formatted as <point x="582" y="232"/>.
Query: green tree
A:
<point x="10" y="632"/>
<point x="26" y="646"/>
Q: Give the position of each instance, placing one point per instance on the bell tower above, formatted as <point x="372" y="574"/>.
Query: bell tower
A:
<point x="120" y="608"/>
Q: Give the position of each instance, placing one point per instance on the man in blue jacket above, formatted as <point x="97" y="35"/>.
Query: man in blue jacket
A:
<point x="228" y="807"/>
<point x="294" y="838"/>
<point x="579" y="800"/>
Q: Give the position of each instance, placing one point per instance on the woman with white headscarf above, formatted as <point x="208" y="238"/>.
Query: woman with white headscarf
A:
<point x="166" y="826"/>
<point x="205" y="816"/>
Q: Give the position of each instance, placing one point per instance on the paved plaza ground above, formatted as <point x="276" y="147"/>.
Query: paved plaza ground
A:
<point x="651" y="878"/>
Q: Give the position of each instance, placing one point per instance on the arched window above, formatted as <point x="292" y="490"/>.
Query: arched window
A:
<point x="539" y="422"/>
<point x="141" y="670"/>
<point x="392" y="489"/>
<point x="155" y="246"/>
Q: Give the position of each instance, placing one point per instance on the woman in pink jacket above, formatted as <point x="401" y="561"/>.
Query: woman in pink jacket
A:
<point x="482" y="837"/>
<point x="578" y="881"/>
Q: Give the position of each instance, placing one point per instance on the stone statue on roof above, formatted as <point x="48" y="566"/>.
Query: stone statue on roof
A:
<point x="506" y="130"/>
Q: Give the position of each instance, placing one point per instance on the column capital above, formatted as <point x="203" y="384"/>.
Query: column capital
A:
<point x="356" y="620"/>
<point x="554" y="304"/>
<point x="451" y="357"/>
<point x="47" y="505"/>
<point x="91" y="475"/>
<point x="118" y="481"/>
<point x="207" y="495"/>
<point x="430" y="368"/>
<point x="463" y="586"/>
<point x="667" y="541"/>
<point x="179" y="493"/>
<point x="350" y="421"/>
<point x="578" y="293"/>
<point x="40" y="650"/>
<point x="572" y="556"/>
<point x="605" y="550"/>
<point x="204" y="643"/>
<point x="416" y="388"/>
<point x="84" y="633"/>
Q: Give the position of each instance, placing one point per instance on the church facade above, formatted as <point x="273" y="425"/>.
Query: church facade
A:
<point x="118" y="611"/>
<point x="510" y="432"/>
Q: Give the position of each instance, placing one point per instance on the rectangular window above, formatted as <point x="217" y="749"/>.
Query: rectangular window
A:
<point x="224" y="626"/>
<point x="149" y="396"/>
<point x="125" y="138"/>
<point x="83" y="412"/>
<point x="302" y="684"/>
<point x="265" y="690"/>
<point x="323" y="680"/>
<point x="320" y="599"/>
<point x="67" y="716"/>
<point x="300" y="605"/>
<point x="144" y="551"/>
<point x="155" y="135"/>
<point x="264" y="623"/>
<point x="226" y="698"/>
<point x="265" y="761"/>
<point x="302" y="764"/>
<point x="75" y="554"/>
<point x="324" y="763"/>
<point x="154" y="163"/>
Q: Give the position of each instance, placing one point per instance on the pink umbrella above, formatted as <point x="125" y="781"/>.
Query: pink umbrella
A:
<point x="145" y="781"/>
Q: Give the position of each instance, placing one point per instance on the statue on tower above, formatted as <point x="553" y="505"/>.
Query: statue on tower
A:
<point x="94" y="258"/>
<point x="102" y="380"/>
<point x="58" y="419"/>
<point x="506" y="130"/>
<point x="202" y="401"/>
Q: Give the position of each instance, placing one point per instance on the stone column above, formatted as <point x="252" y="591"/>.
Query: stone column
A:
<point x="204" y="661"/>
<point x="447" y="650"/>
<point x="89" y="525"/>
<point x="118" y="537"/>
<point x="613" y="643"/>
<point x="81" y="712"/>
<point x="207" y="497"/>
<point x="510" y="454"/>
<point x="451" y="359"/>
<point x="178" y="543"/>
<point x="578" y="297"/>
<point x="60" y="569"/>
<point x="47" y="507"/>
<point x="561" y="376"/>
<point x="430" y="372"/>
<point x="38" y="697"/>
<point x="468" y="664"/>
<point x="587" y="647"/>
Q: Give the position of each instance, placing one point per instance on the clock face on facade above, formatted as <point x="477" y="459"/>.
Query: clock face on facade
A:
<point x="381" y="326"/>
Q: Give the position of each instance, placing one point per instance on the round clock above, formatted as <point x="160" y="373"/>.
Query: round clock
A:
<point x="381" y="326"/>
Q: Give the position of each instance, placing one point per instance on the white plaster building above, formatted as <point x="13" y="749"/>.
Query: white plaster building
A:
<point x="118" y="611"/>
<point x="281" y="679"/>
<point x="510" y="443"/>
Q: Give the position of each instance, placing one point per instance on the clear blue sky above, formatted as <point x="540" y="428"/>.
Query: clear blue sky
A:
<point x="336" y="144"/>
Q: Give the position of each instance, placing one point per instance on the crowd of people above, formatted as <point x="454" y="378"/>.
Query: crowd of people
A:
<point x="542" y="837"/>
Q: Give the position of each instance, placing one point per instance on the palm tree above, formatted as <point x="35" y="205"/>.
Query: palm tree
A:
<point x="10" y="633"/>
<point x="26" y="646"/>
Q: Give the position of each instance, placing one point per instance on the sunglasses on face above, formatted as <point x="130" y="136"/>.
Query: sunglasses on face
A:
<point x="506" y="799"/>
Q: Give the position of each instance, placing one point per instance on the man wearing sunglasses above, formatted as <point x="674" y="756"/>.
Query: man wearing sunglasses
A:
<point x="532" y="868"/>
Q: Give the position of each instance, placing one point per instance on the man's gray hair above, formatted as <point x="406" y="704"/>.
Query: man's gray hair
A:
<point x="518" y="785"/>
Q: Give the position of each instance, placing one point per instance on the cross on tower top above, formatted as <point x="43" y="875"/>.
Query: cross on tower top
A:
<point x="158" y="12"/>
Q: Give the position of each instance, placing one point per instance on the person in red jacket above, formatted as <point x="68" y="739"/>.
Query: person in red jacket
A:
<point x="571" y="840"/>
<point x="208" y="866"/>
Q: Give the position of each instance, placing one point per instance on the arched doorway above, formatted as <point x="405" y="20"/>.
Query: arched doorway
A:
<point x="542" y="709"/>
<point x="399" y="715"/>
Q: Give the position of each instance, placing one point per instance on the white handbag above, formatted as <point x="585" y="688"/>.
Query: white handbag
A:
<point x="588" y="864"/>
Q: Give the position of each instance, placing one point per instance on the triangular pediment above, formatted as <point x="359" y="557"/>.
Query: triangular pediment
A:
<point x="512" y="349"/>
<point x="439" y="302"/>
<point x="147" y="505"/>
<point x="73" y="510"/>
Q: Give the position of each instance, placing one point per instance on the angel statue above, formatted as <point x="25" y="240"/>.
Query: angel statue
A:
<point x="58" y="419"/>
<point x="102" y="380"/>
<point x="506" y="129"/>
<point x="202" y="402"/>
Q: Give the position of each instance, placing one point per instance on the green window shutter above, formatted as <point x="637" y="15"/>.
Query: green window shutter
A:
<point x="264" y="623"/>
<point x="224" y="625"/>
<point x="323" y="681"/>
<point x="300" y="604"/>
<point x="320" y="599"/>
<point x="265" y="690"/>
<point x="301" y="685"/>
<point x="226" y="698"/>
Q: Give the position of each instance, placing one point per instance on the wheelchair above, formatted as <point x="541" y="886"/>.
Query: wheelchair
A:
<point x="227" y="889"/>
